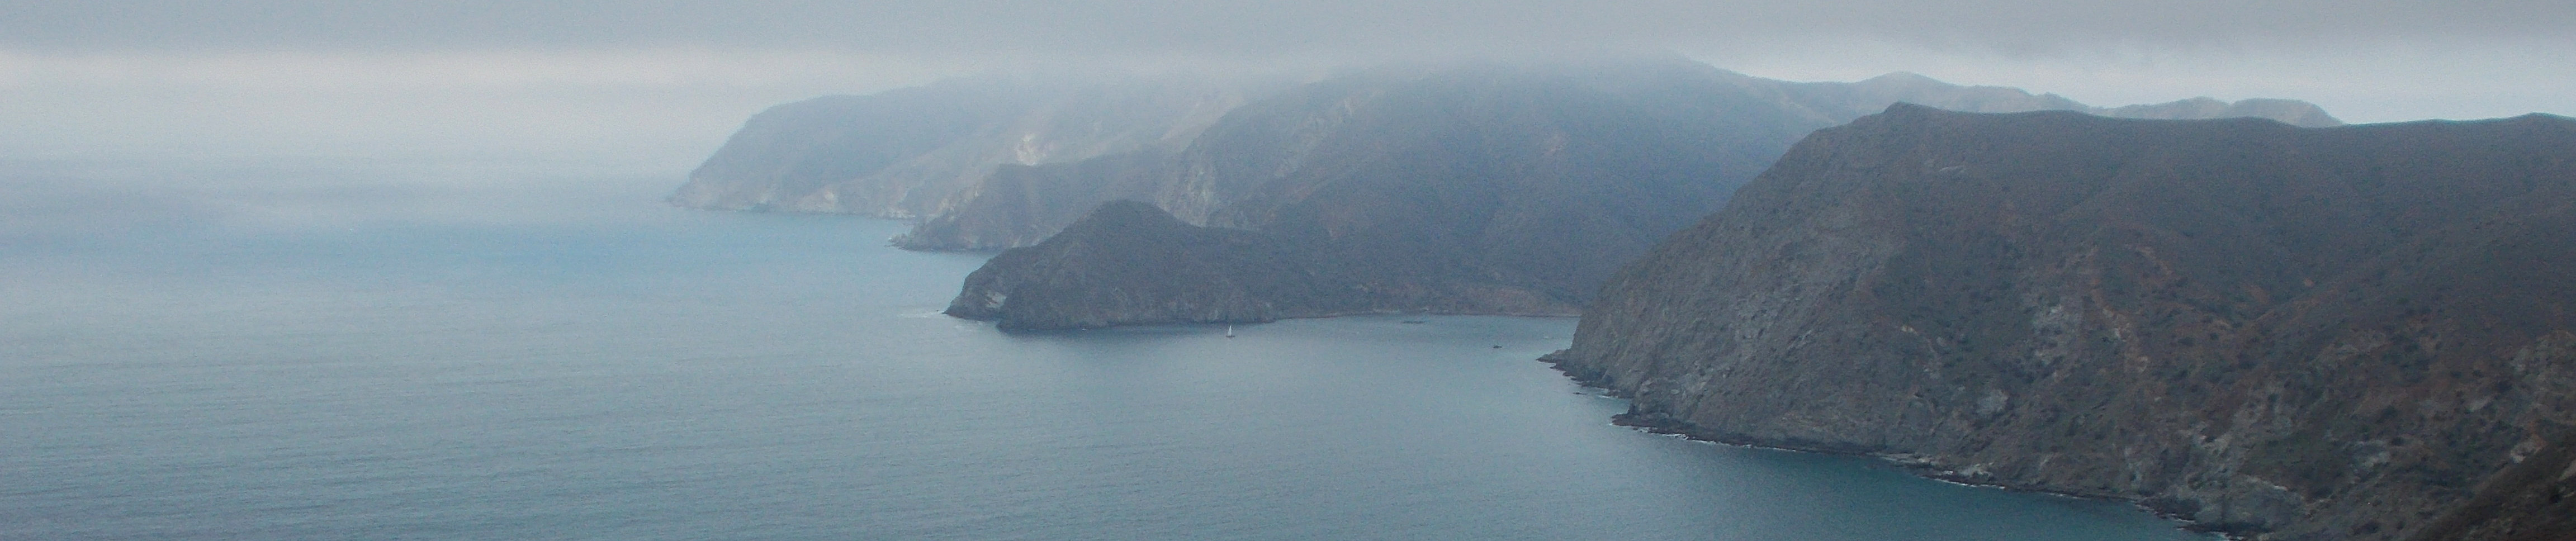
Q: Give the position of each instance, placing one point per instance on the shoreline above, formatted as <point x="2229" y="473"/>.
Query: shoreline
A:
<point x="1917" y="465"/>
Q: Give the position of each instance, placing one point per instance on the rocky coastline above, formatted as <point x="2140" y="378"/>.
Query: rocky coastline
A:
<point x="1919" y="465"/>
<point x="2274" y="332"/>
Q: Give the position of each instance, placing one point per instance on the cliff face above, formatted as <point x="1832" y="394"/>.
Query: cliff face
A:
<point x="2364" y="332"/>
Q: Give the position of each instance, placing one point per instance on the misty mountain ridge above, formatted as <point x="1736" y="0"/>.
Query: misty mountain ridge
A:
<point x="951" y="154"/>
<point x="1852" y="100"/>
<point x="1480" y="189"/>
<point x="1466" y="188"/>
<point x="903" y="153"/>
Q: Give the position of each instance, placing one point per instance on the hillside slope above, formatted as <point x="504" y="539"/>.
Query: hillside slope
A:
<point x="1461" y="188"/>
<point x="1480" y="189"/>
<point x="997" y="162"/>
<point x="2363" y="332"/>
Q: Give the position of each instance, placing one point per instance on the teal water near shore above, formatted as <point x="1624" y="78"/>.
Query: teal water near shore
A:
<point x="199" y="354"/>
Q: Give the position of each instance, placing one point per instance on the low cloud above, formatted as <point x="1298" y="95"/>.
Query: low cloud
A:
<point x="662" y="82"/>
<point x="1152" y="27"/>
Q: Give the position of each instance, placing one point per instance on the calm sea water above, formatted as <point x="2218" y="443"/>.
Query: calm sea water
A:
<point x="408" y="351"/>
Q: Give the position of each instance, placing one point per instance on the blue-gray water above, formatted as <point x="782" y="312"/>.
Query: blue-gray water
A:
<point x="354" y="353"/>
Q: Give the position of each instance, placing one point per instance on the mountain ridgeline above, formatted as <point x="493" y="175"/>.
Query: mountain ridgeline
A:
<point x="2362" y="332"/>
<point x="999" y="162"/>
<point x="1473" y="188"/>
<point x="2244" y="314"/>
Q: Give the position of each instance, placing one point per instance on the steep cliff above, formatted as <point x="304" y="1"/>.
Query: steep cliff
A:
<point x="2363" y="332"/>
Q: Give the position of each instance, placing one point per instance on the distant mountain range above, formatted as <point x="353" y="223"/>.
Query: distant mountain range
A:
<point x="2363" y="332"/>
<point x="999" y="162"/>
<point x="2244" y="314"/>
<point x="1472" y="187"/>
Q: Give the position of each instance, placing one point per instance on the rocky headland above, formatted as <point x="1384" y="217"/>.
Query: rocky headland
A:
<point x="2361" y="332"/>
<point x="1131" y="262"/>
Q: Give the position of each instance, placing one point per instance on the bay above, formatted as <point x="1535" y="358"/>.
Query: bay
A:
<point x="435" y="351"/>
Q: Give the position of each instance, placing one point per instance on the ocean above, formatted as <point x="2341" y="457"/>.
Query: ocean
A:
<point x="382" y="350"/>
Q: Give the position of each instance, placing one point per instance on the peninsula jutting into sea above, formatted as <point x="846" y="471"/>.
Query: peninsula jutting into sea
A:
<point x="2244" y="315"/>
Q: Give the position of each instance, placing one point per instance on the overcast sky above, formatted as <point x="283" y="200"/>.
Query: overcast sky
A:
<point x="661" y="82"/>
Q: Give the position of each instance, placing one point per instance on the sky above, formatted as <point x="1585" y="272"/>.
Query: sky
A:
<point x="657" y="84"/>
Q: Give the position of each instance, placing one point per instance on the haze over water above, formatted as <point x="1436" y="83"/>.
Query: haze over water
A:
<point x="435" y="351"/>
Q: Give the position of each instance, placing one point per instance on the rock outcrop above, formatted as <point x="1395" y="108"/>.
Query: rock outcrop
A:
<point x="2363" y="332"/>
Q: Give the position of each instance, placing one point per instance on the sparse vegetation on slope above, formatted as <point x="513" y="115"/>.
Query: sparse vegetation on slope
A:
<point x="2285" y="333"/>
